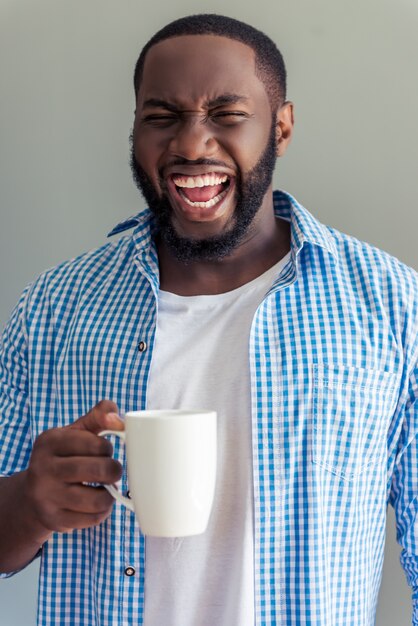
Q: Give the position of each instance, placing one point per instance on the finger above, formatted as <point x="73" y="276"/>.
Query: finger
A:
<point x="84" y="499"/>
<point x="76" y="469"/>
<point x="72" y="442"/>
<point x="71" y="520"/>
<point x="104" y="416"/>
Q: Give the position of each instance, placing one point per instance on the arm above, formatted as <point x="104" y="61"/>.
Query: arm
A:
<point x="49" y="495"/>
<point x="41" y="482"/>
<point x="20" y="541"/>
<point x="404" y="488"/>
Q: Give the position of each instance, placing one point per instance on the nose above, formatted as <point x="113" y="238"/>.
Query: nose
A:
<point x="192" y="139"/>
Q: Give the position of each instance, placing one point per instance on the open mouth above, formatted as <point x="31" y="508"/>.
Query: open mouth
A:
<point x="202" y="191"/>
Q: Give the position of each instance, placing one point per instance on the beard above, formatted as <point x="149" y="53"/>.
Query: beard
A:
<point x="249" y="194"/>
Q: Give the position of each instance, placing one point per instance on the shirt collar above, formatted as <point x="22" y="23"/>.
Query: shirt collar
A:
<point x="144" y="226"/>
<point x="304" y="227"/>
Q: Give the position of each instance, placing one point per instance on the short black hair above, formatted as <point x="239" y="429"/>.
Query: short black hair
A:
<point x="269" y="64"/>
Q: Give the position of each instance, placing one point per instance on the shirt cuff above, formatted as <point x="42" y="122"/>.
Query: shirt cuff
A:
<point x="37" y="555"/>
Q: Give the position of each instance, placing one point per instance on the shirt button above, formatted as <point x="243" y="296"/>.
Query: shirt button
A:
<point x="142" y="346"/>
<point x="129" y="571"/>
<point x="128" y="494"/>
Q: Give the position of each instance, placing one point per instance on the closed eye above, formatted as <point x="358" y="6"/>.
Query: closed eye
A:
<point x="229" y="117"/>
<point x="160" y="119"/>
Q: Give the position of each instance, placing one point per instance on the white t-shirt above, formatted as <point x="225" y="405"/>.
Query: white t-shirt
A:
<point x="200" y="361"/>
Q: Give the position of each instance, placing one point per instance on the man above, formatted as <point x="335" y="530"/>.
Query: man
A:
<point x="224" y="297"/>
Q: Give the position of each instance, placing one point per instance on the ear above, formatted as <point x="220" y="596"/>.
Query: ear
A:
<point x="284" y="127"/>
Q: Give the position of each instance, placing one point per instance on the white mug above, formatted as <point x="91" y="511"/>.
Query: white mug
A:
<point x="171" y="460"/>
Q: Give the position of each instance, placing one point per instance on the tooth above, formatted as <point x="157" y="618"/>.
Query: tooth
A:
<point x="199" y="181"/>
<point x="205" y="180"/>
<point x="209" y="203"/>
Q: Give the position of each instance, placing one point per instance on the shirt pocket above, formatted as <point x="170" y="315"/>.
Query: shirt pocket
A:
<point x="352" y="408"/>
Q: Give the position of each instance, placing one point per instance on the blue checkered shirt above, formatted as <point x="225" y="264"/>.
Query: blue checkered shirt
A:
<point x="334" y="382"/>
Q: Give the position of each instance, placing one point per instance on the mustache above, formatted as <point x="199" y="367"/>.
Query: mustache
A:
<point x="182" y="161"/>
<point x="178" y="161"/>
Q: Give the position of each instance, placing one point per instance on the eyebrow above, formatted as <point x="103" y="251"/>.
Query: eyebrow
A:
<point x="227" y="98"/>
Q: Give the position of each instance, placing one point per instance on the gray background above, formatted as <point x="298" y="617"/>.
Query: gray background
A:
<point x="66" y="106"/>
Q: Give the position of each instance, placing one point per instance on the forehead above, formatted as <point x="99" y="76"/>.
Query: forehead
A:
<point x="194" y="68"/>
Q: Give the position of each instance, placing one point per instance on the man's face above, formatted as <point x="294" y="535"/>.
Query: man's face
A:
<point x="203" y="144"/>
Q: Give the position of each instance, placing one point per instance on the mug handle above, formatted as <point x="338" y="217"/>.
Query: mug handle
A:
<point x="112" y="489"/>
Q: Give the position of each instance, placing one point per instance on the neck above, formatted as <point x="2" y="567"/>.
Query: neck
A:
<point x="265" y="245"/>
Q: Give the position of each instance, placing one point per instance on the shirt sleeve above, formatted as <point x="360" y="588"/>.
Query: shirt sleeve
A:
<point x="404" y="489"/>
<point x="15" y="431"/>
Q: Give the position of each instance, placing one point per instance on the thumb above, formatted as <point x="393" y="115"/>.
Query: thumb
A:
<point x="103" y="416"/>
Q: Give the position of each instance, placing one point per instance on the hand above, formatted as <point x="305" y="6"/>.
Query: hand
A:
<point x="62" y="460"/>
